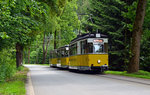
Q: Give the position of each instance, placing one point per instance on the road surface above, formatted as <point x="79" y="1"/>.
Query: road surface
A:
<point x="52" y="81"/>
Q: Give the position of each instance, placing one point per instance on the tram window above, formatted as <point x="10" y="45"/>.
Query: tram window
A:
<point x="90" y="47"/>
<point x="70" y="50"/>
<point x="54" y="55"/>
<point x="51" y="56"/>
<point x="66" y="53"/>
<point x="93" y="47"/>
<point x="73" y="50"/>
<point x="86" y="47"/>
<point x="59" y="53"/>
<point x="98" y="48"/>
<point x="106" y="47"/>
<point x="62" y="53"/>
<point x="81" y="44"/>
<point x="83" y="47"/>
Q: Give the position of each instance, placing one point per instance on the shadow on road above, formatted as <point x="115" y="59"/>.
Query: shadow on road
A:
<point x="79" y="72"/>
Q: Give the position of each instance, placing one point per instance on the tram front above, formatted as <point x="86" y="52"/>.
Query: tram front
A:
<point x="95" y="52"/>
<point x="89" y="52"/>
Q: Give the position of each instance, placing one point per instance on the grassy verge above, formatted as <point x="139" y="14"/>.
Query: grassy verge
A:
<point x="39" y="64"/>
<point x="44" y="64"/>
<point x="140" y="74"/>
<point x="16" y="84"/>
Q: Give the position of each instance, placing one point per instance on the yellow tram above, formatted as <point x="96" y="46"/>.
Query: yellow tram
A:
<point x="63" y="57"/>
<point x="89" y="52"/>
<point x="53" y="58"/>
<point x="86" y="52"/>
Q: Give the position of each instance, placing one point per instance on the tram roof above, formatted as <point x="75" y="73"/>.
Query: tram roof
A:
<point x="88" y="35"/>
<point x="64" y="46"/>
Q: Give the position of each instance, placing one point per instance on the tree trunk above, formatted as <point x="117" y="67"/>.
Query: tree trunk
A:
<point x="37" y="46"/>
<point x="55" y="42"/>
<point x="136" y="37"/>
<point x="29" y="55"/>
<point x="19" y="55"/>
<point x="129" y="2"/>
<point x="45" y="51"/>
<point x="43" y="61"/>
<point x="37" y="61"/>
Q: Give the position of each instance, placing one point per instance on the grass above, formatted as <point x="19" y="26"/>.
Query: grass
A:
<point x="16" y="84"/>
<point x="39" y="64"/>
<point x="44" y="64"/>
<point x="140" y="74"/>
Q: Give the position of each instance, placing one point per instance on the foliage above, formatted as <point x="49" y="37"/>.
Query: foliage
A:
<point x="130" y="15"/>
<point x="83" y="14"/>
<point x="3" y="35"/>
<point x="107" y="18"/>
<point x="145" y="51"/>
<point x="66" y="24"/>
<point x="20" y="19"/>
<point x="7" y="64"/>
<point x="69" y="23"/>
<point x="16" y="84"/>
<point x="25" y="22"/>
<point x="115" y="19"/>
<point x="140" y="74"/>
<point x="36" y="51"/>
<point x="20" y="22"/>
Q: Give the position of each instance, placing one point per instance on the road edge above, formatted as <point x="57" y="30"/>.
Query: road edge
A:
<point x="129" y="79"/>
<point x="29" y="86"/>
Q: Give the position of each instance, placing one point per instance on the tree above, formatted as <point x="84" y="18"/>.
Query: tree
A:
<point x="60" y="28"/>
<point x="145" y="42"/>
<point x="136" y="36"/>
<point x="56" y="10"/>
<point x="46" y="42"/>
<point x="21" y="22"/>
<point x="69" y="23"/>
<point x="108" y="19"/>
<point x="83" y="14"/>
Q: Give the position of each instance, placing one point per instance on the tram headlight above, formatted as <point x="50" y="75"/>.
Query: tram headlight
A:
<point x="98" y="61"/>
<point x="67" y="48"/>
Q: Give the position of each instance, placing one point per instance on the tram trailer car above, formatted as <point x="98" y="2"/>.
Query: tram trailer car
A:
<point x="63" y="57"/>
<point x="89" y="52"/>
<point x="53" y="58"/>
<point x="86" y="52"/>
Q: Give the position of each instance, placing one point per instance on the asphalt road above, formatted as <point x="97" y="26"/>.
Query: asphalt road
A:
<point x="52" y="81"/>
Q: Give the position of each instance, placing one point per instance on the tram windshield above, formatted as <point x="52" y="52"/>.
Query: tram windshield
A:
<point x="97" y="48"/>
<point x="93" y="47"/>
<point x="64" y="52"/>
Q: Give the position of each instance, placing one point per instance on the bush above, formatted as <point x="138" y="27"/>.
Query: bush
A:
<point x="145" y="63"/>
<point x="7" y="65"/>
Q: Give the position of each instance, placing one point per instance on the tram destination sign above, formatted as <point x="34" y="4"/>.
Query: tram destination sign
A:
<point x="98" y="41"/>
<point x="95" y="40"/>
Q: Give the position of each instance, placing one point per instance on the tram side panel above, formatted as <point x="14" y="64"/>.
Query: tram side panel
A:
<point x="53" y="62"/>
<point x="90" y="62"/>
<point x="83" y="61"/>
<point x="73" y="62"/>
<point x="98" y="61"/>
<point x="64" y="62"/>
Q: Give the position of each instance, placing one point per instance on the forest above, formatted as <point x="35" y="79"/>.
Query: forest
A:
<point x="30" y="29"/>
